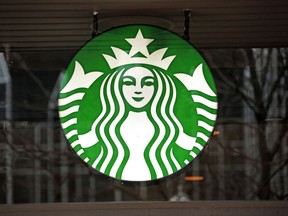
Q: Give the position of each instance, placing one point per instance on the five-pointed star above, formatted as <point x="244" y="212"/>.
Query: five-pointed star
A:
<point x="139" y="44"/>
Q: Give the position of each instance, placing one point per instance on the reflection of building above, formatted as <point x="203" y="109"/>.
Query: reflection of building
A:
<point x="6" y="117"/>
<point x="44" y="169"/>
<point x="237" y="158"/>
<point x="267" y="130"/>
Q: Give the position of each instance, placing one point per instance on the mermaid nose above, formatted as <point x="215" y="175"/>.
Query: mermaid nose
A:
<point x="138" y="92"/>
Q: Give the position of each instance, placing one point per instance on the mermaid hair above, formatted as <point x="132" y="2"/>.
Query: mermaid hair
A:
<point x="158" y="154"/>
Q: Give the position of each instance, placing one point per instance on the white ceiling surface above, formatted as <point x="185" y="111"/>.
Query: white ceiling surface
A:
<point x="66" y="24"/>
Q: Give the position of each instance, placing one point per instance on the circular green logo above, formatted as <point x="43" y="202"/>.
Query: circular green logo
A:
<point x="137" y="103"/>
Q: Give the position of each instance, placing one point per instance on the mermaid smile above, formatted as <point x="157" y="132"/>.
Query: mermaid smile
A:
<point x="138" y="99"/>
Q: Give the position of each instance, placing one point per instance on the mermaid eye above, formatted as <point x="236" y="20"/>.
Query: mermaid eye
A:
<point x="129" y="80"/>
<point x="148" y="81"/>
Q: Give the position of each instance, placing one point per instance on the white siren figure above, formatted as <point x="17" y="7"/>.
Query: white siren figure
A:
<point x="138" y="104"/>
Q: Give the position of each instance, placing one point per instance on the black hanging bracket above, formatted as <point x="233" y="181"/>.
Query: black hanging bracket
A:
<point x="187" y="13"/>
<point x="95" y="24"/>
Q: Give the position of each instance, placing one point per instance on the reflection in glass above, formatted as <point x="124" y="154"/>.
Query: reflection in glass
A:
<point x="245" y="159"/>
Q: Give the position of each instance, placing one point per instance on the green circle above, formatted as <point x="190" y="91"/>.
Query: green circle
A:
<point x="137" y="103"/>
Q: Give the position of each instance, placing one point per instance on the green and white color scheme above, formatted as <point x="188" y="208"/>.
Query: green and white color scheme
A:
<point x="137" y="103"/>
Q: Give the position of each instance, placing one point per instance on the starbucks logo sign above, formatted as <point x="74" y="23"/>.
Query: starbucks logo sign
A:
<point x="137" y="103"/>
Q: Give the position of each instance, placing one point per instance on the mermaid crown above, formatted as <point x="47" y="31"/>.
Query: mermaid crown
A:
<point x="139" y="44"/>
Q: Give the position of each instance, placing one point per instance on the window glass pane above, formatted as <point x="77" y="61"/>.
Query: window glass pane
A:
<point x="246" y="158"/>
<point x="245" y="46"/>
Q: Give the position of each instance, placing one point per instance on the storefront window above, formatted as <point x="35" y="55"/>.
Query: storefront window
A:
<point x="246" y="158"/>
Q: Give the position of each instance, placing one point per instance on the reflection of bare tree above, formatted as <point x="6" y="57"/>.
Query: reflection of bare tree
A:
<point x="261" y="86"/>
<point x="264" y="91"/>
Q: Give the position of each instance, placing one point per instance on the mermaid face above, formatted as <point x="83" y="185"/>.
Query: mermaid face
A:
<point x="138" y="86"/>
